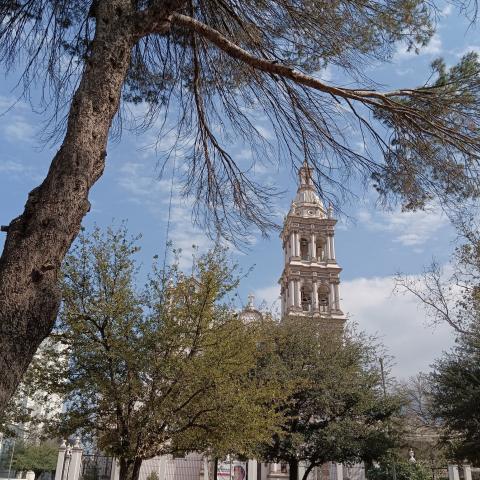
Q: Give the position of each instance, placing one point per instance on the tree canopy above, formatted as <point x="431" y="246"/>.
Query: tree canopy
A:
<point x="453" y="297"/>
<point x="39" y="458"/>
<point x="205" y="70"/>
<point x="404" y="470"/>
<point x="455" y="391"/>
<point x="337" y="410"/>
<point x="167" y="369"/>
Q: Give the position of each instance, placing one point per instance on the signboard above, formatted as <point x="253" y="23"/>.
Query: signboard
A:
<point x="231" y="470"/>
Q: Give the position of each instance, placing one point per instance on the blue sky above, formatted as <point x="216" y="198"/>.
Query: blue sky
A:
<point x="371" y="244"/>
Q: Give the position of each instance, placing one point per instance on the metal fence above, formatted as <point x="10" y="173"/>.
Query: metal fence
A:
<point x="7" y="450"/>
<point x="96" y="467"/>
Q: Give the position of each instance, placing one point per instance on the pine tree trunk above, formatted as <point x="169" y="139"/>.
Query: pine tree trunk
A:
<point x="39" y="238"/>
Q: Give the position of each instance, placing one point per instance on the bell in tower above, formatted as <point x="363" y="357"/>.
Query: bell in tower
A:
<point x="311" y="275"/>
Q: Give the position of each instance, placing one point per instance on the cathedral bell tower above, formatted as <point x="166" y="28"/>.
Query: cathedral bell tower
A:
<point x="310" y="278"/>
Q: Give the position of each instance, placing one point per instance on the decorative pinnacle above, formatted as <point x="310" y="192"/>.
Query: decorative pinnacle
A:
<point x="330" y="210"/>
<point x="251" y="298"/>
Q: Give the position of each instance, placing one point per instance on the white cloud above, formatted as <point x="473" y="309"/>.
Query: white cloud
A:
<point x="468" y="49"/>
<point x="447" y="10"/>
<point x="9" y="166"/>
<point x="434" y="47"/>
<point x="154" y="195"/>
<point x="17" y="128"/>
<point x="397" y="320"/>
<point x="268" y="296"/>
<point x="411" y="229"/>
<point x="16" y="170"/>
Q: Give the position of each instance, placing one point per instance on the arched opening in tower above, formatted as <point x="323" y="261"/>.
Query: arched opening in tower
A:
<point x="320" y="253"/>
<point x="304" y="249"/>
<point x="323" y="293"/>
<point x="306" y="294"/>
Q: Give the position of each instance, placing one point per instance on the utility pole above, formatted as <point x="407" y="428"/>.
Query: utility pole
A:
<point x="382" y="370"/>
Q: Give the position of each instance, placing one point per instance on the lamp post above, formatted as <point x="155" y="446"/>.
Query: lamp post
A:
<point x="382" y="371"/>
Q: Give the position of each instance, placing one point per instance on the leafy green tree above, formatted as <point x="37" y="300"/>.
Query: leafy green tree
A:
<point x="162" y="370"/>
<point x="455" y="393"/>
<point x="205" y="69"/>
<point x="39" y="458"/>
<point x="422" y="429"/>
<point x="337" y="410"/>
<point x="454" y="299"/>
<point x="404" y="470"/>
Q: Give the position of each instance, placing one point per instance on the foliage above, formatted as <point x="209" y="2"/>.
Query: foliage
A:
<point x="337" y="411"/>
<point x="421" y="426"/>
<point x="404" y="470"/>
<point x="455" y="299"/>
<point x="455" y="393"/>
<point x="161" y="370"/>
<point x="39" y="458"/>
<point x="153" y="476"/>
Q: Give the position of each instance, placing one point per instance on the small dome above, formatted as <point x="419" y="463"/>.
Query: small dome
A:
<point x="250" y="314"/>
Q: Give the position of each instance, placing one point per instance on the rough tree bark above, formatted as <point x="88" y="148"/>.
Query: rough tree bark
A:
<point x="130" y="470"/>
<point x="39" y="238"/>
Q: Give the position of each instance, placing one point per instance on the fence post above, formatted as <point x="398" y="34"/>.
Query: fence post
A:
<point x="115" y="474"/>
<point x="75" y="461"/>
<point x="60" y="460"/>
<point x="252" y="470"/>
<point x="301" y="470"/>
<point x="339" y="471"/>
<point x="467" y="472"/>
<point x="453" y="472"/>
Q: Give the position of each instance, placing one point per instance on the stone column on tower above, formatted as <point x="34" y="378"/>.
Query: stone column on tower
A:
<point x="327" y="248"/>
<point x="318" y="275"/>
<point x="291" y="293"/>
<point x="337" y="296"/>
<point x="315" y="295"/>
<point x="297" y="293"/>
<point x="313" y="247"/>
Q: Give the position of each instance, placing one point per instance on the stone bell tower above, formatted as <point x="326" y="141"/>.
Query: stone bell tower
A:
<point x="310" y="278"/>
